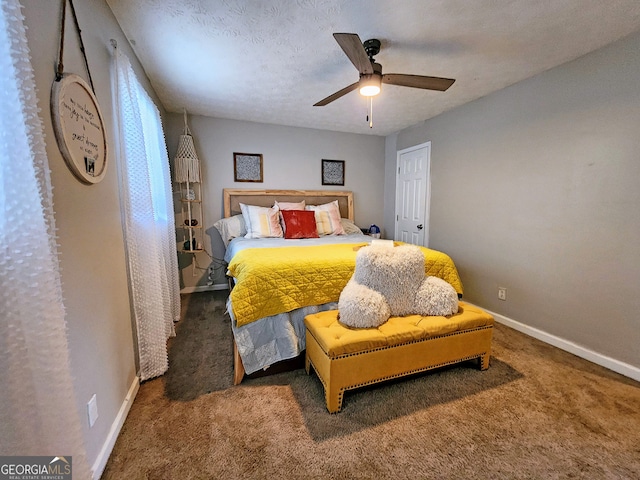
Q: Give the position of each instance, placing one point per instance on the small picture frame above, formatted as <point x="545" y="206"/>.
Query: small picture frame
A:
<point x="90" y="166"/>
<point x="332" y="172"/>
<point x="247" y="167"/>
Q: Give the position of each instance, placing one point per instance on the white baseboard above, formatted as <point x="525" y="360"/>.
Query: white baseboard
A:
<point x="205" y="288"/>
<point x="568" y="346"/>
<point x="103" y="456"/>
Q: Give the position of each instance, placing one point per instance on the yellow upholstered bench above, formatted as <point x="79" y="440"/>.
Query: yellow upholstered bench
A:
<point x="345" y="358"/>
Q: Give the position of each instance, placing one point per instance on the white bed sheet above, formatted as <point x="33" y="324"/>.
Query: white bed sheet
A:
<point x="240" y="243"/>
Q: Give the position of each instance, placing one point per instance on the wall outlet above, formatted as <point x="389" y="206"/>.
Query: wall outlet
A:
<point x="502" y="293"/>
<point x="92" y="410"/>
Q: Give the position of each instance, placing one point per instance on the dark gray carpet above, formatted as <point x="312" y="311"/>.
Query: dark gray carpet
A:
<point x="537" y="413"/>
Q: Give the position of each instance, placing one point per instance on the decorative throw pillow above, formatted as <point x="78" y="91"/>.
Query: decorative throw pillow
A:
<point x="261" y="221"/>
<point x="287" y="206"/>
<point x="299" y="224"/>
<point x="231" y="228"/>
<point x="327" y="218"/>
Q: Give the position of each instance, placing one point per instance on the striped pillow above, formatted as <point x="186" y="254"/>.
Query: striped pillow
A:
<point x="327" y="218"/>
<point x="261" y="222"/>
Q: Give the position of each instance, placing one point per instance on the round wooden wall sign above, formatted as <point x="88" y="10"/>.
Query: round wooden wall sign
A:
<point x="79" y="128"/>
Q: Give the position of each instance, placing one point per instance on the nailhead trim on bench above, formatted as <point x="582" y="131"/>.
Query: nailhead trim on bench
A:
<point x="385" y="347"/>
<point x="398" y="375"/>
<point x="391" y="377"/>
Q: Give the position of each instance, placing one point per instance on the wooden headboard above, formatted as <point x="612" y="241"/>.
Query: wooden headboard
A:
<point x="265" y="198"/>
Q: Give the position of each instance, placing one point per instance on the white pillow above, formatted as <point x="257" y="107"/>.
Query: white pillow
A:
<point x="261" y="222"/>
<point x="349" y="227"/>
<point x="327" y="218"/>
<point x="231" y="228"/>
<point x="289" y="205"/>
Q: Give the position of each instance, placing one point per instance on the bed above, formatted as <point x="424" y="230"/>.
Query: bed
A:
<point x="276" y="282"/>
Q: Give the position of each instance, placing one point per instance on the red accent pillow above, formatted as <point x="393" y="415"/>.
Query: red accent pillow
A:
<point x="299" y="224"/>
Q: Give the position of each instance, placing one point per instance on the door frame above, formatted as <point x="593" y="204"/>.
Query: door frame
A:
<point x="427" y="185"/>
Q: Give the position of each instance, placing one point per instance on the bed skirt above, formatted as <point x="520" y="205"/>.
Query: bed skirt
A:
<point x="271" y="339"/>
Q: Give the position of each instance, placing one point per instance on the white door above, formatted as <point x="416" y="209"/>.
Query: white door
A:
<point x="412" y="195"/>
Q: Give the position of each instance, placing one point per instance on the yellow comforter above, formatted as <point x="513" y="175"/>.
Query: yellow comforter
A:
<point x="270" y="281"/>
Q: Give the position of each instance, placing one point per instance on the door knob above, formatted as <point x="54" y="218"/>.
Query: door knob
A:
<point x="420" y="227"/>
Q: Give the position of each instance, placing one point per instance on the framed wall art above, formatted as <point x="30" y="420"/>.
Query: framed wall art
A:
<point x="332" y="172"/>
<point x="247" y="167"/>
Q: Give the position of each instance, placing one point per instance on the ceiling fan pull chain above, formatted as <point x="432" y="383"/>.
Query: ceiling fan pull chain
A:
<point x="366" y="101"/>
<point x="370" y="112"/>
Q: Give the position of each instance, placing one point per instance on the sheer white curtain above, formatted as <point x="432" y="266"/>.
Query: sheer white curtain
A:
<point x="38" y="414"/>
<point x="145" y="189"/>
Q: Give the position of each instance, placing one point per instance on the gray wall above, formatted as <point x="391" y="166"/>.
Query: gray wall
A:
<point x="390" y="155"/>
<point x="535" y="188"/>
<point x="92" y="259"/>
<point x="291" y="160"/>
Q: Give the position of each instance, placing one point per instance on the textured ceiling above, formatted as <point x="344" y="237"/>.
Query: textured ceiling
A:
<point x="270" y="61"/>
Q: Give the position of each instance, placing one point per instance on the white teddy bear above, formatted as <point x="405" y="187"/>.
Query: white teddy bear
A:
<point x="391" y="282"/>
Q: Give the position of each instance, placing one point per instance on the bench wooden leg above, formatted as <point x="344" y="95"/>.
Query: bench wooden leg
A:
<point x="333" y="397"/>
<point x="484" y="361"/>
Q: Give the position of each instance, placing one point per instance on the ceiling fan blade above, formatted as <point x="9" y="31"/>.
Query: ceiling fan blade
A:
<point x="352" y="47"/>
<point x="337" y="95"/>
<point x="418" y="81"/>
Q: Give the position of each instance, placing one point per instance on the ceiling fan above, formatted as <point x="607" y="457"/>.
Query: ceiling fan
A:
<point x="371" y="77"/>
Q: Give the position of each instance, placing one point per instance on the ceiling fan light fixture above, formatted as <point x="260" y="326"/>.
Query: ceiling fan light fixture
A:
<point x="370" y="85"/>
<point x="371" y="79"/>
